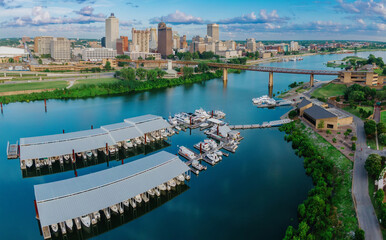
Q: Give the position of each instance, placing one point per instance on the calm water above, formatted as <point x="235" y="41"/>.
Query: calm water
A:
<point x="253" y="193"/>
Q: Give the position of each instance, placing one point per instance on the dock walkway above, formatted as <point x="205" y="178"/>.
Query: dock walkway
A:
<point x="276" y="123"/>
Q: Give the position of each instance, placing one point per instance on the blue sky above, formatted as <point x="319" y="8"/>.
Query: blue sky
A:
<point x="261" y="19"/>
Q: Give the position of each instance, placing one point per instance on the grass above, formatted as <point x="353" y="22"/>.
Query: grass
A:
<point x="342" y="198"/>
<point x="383" y="117"/>
<point x="356" y="111"/>
<point x="377" y="210"/>
<point x="32" y="86"/>
<point x="83" y="82"/>
<point x="329" y="90"/>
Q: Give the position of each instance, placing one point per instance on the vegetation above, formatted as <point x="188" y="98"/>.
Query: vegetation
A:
<point x="31" y="86"/>
<point x="328" y="212"/>
<point x="383" y="117"/>
<point x="362" y="112"/>
<point x="292" y="114"/>
<point x="373" y="165"/>
<point x="295" y="84"/>
<point x="242" y="61"/>
<point x="329" y="90"/>
<point x="370" y="128"/>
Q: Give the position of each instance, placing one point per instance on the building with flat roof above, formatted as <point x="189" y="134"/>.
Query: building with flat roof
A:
<point x="42" y="45"/>
<point x="140" y="40"/>
<point x="153" y="44"/>
<point x="213" y="31"/>
<point x="251" y="45"/>
<point x="165" y="40"/>
<point x="183" y="42"/>
<point x="97" y="54"/>
<point x="112" y="31"/>
<point x="60" y="49"/>
<point x="369" y="78"/>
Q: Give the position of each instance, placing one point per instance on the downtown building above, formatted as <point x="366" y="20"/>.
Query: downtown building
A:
<point x="213" y="32"/>
<point x="60" y="49"/>
<point x="42" y="45"/>
<point x="140" y="40"/>
<point x="98" y="54"/>
<point x="165" y="40"/>
<point x="153" y="43"/>
<point x="112" y="31"/>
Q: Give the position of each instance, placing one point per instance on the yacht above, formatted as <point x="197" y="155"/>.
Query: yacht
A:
<point x="138" y="141"/>
<point x="204" y="124"/>
<point x="186" y="153"/>
<point x="187" y="177"/>
<point x="66" y="158"/>
<point x="132" y="203"/>
<point x="126" y="203"/>
<point x="63" y="228"/>
<point x="172" y="183"/>
<point x="219" y="113"/>
<point x="114" y="209"/>
<point x="172" y="121"/>
<point x="196" y="164"/>
<point x="202" y="112"/>
<point x="55" y="228"/>
<point x="211" y="143"/>
<point x="162" y="187"/>
<point x="264" y="100"/>
<point x="151" y="192"/>
<point x="79" y="155"/>
<point x="112" y="150"/>
<point x="84" y="156"/>
<point x="138" y="198"/>
<point x="86" y="221"/>
<point x="89" y="154"/>
<point x="95" y="153"/>
<point x="219" y="154"/>
<point x="181" y="178"/>
<point x="61" y="160"/>
<point x="144" y="197"/>
<point x="29" y="163"/>
<point x="69" y="224"/>
<point x="157" y="192"/>
<point x="213" y="157"/>
<point x="128" y="144"/>
<point x="97" y="215"/>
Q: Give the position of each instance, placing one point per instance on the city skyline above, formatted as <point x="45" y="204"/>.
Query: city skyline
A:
<point x="300" y="20"/>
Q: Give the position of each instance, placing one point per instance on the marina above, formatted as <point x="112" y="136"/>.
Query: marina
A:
<point x="105" y="188"/>
<point x="268" y="102"/>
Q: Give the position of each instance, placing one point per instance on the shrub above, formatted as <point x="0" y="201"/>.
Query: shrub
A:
<point x="353" y="146"/>
<point x="370" y="127"/>
<point x="373" y="165"/>
<point x="334" y="140"/>
<point x="293" y="114"/>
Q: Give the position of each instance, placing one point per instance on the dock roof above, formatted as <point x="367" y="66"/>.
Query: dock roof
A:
<point x="74" y="197"/>
<point x="81" y="141"/>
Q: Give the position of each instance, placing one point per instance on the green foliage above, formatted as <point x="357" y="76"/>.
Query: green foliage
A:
<point x="328" y="131"/>
<point x="382" y="138"/>
<point x="141" y="73"/>
<point x="295" y="84"/>
<point x="151" y="75"/>
<point x="358" y="93"/>
<point x="379" y="195"/>
<point x="359" y="234"/>
<point x="373" y="165"/>
<point x="188" y="72"/>
<point x="127" y="73"/>
<point x="108" y="66"/>
<point x="370" y="128"/>
<point x="238" y="60"/>
<point x="321" y="124"/>
<point x="381" y="128"/>
<point x="292" y="114"/>
<point x="203" y="67"/>
<point x="354" y="138"/>
<point x="334" y="140"/>
<point x="353" y="146"/>
<point x="196" y="55"/>
<point x="123" y="57"/>
<point x="338" y="99"/>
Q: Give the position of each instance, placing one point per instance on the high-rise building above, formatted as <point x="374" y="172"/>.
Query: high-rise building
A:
<point x="294" y="46"/>
<point x="42" y="45"/>
<point x="176" y="40"/>
<point x="140" y="40"/>
<point x="183" y="42"/>
<point x="165" y="40"/>
<point x="153" y="39"/>
<point x="122" y="45"/>
<point x="103" y="42"/>
<point x="60" y="49"/>
<point x="251" y="45"/>
<point x="213" y="31"/>
<point x="112" y="31"/>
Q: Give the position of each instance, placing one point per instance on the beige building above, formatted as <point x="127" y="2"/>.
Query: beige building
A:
<point x="153" y="44"/>
<point x="294" y="46"/>
<point x="112" y="31"/>
<point x="183" y="42"/>
<point x="42" y="45"/>
<point x="140" y="40"/>
<point x="176" y="40"/>
<point x="369" y="78"/>
<point x="213" y="31"/>
<point x="98" y="54"/>
<point x="251" y="45"/>
<point x="143" y="55"/>
<point x="229" y="53"/>
<point x="230" y="44"/>
<point x="60" y="49"/>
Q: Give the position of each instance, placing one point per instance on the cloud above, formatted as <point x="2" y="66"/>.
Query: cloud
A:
<point x="9" y="4"/>
<point x="364" y="8"/>
<point x="178" y="18"/>
<point x="41" y="16"/>
<point x="264" y="17"/>
<point x="132" y="4"/>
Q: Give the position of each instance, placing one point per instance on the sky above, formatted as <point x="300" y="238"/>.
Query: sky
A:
<point x="238" y="20"/>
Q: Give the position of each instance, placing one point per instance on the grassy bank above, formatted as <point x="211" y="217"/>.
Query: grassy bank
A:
<point x="332" y="215"/>
<point x="383" y="117"/>
<point x="356" y="112"/>
<point x="329" y="90"/>
<point x="32" y="86"/>
<point x="85" y="82"/>
<point x="87" y="88"/>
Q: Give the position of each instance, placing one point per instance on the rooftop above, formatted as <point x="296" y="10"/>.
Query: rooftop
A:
<point x="304" y="103"/>
<point x="317" y="112"/>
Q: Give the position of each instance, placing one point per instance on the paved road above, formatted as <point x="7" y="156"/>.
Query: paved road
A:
<point x="365" y="210"/>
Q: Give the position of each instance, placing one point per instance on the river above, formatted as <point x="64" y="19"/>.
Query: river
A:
<point x="253" y="193"/>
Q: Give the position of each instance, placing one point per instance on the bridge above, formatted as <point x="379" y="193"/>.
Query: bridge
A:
<point x="226" y="66"/>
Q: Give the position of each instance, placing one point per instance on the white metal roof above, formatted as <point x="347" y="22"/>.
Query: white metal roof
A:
<point x="62" y="144"/>
<point x="71" y="198"/>
<point x="11" y="52"/>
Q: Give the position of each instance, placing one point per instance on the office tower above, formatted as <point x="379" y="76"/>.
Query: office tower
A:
<point x="42" y="45"/>
<point x="165" y="40"/>
<point x="213" y="31"/>
<point x="60" y="49"/>
<point x="153" y="39"/>
<point x="176" y="40"/>
<point x="112" y="31"/>
<point x="251" y="45"/>
<point x="103" y="42"/>
<point x="122" y="45"/>
<point x="294" y="46"/>
<point x="183" y="44"/>
<point x="140" y="40"/>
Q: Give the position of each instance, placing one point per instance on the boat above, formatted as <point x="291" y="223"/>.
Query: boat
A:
<point x="120" y="209"/>
<point x="177" y="182"/>
<point x="138" y="198"/>
<point x="107" y="213"/>
<point x="77" y="223"/>
<point x="151" y="192"/>
<point x="114" y="209"/>
<point x="201" y="112"/>
<point x="127" y="144"/>
<point x="204" y="124"/>
<point x="138" y="141"/>
<point x="61" y="160"/>
<point x="185" y="152"/>
<point x="171" y="183"/>
<point x="157" y="192"/>
<point x="63" y="228"/>
<point x="66" y="158"/>
<point x="69" y="224"/>
<point x="162" y="187"/>
<point x="55" y="228"/>
<point x="79" y="155"/>
<point x="145" y="198"/>
<point x="264" y="101"/>
<point x="119" y="144"/>
<point x="132" y="203"/>
<point x="178" y="128"/>
<point x="219" y="154"/>
<point x="196" y="164"/>
<point x="181" y="178"/>
<point x="89" y="154"/>
<point x="112" y="149"/>
<point x="94" y="153"/>
<point x="211" y="143"/>
<point x="213" y="157"/>
<point x="86" y="221"/>
<point x="29" y="163"/>
<point x="84" y="156"/>
<point x="219" y="114"/>
<point x="97" y="215"/>
<point x="187" y="177"/>
<point x="126" y="203"/>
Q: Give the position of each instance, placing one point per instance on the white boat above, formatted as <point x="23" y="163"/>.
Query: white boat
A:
<point x="63" y="228"/>
<point x="219" y="154"/>
<point x="151" y="192"/>
<point x="204" y="124"/>
<point x="213" y="157"/>
<point x="264" y="100"/>
<point x="162" y="187"/>
<point x="112" y="150"/>
<point x="55" y="228"/>
<point x="145" y="198"/>
<point x="157" y="192"/>
<point x="196" y="164"/>
<point x="201" y="112"/>
<point x="126" y="203"/>
<point x="97" y="215"/>
<point x="171" y="183"/>
<point x="186" y="153"/>
<point x="127" y="144"/>
<point x="66" y="158"/>
<point x="211" y="143"/>
<point x="61" y="160"/>
<point x="29" y="163"/>
<point x="86" y="221"/>
<point x="84" y="156"/>
<point x="138" y="198"/>
<point x="95" y="153"/>
<point x="219" y="113"/>
<point x="114" y="209"/>
<point x="178" y="128"/>
<point x="181" y="178"/>
<point x="89" y="154"/>
<point x="69" y="224"/>
<point x="138" y="141"/>
<point x="187" y="177"/>
<point x="79" y="155"/>
<point x="132" y="203"/>
<point x="120" y="208"/>
<point x="119" y="144"/>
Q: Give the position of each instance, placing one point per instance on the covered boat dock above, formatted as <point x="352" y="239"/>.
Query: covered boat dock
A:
<point x="72" y="198"/>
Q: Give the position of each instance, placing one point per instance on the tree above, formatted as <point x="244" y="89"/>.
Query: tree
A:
<point x="292" y="114"/>
<point x="160" y="72"/>
<point x="373" y="165"/>
<point x="382" y="138"/>
<point x="321" y="124"/>
<point x="122" y="57"/>
<point x="203" y="67"/>
<point x="195" y="55"/>
<point x="140" y="73"/>
<point x="151" y="75"/>
<point x="108" y="66"/>
<point x="337" y="99"/>
<point x="359" y="234"/>
<point x="354" y="138"/>
<point x="357" y="96"/>
<point x="127" y="74"/>
<point x="346" y="134"/>
<point x="188" y="72"/>
<point x="40" y="61"/>
<point x="379" y="195"/>
<point x="11" y="60"/>
<point x="334" y="140"/>
<point x="381" y="128"/>
<point x="370" y="127"/>
<point x="353" y="146"/>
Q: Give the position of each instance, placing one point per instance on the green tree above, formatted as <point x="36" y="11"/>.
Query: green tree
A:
<point x="293" y="114"/>
<point x="195" y="55"/>
<point x="151" y="75"/>
<point x="353" y="146"/>
<point x="289" y="233"/>
<point x="381" y="128"/>
<point x="127" y="74"/>
<point x="301" y="211"/>
<point x="11" y="60"/>
<point x="359" y="234"/>
<point x="321" y="124"/>
<point x="373" y="165"/>
<point x="303" y="230"/>
<point x="40" y="61"/>
<point x="203" y="67"/>
<point x="382" y="138"/>
<point x="334" y="140"/>
<point x="379" y="195"/>
<point x="357" y="96"/>
<point x="370" y="127"/>
<point x="108" y="66"/>
<point x="160" y="72"/>
<point x="140" y="73"/>
<point x="354" y="138"/>
<point x="187" y="56"/>
<point x="188" y="72"/>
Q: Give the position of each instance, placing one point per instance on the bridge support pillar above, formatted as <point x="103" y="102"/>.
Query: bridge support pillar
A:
<point x="311" y="80"/>
<point x="225" y="74"/>
<point x="270" y="82"/>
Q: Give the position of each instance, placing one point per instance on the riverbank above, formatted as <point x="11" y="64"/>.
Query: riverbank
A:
<point x="329" y="211"/>
<point x="106" y="89"/>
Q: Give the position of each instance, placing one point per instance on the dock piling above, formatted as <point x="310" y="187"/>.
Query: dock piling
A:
<point x="92" y="127"/>
<point x="63" y="131"/>
<point x="107" y="154"/>
<point x="122" y="161"/>
<point x="45" y="105"/>
<point x="1" y="104"/>
<point x="200" y="148"/>
<point x="36" y="210"/>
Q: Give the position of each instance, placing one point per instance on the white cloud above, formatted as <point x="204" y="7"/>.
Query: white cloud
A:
<point x="176" y="18"/>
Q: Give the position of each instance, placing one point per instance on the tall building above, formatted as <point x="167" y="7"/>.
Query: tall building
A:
<point x="153" y="39"/>
<point x="183" y="42"/>
<point x="165" y="40"/>
<point x="103" y="42"/>
<point x="294" y="46"/>
<point x="112" y="31"/>
<point x="42" y="45"/>
<point x="140" y="40"/>
<point x="176" y="40"/>
<point x="60" y="49"/>
<point x="251" y="45"/>
<point x="122" y="45"/>
<point x="213" y="31"/>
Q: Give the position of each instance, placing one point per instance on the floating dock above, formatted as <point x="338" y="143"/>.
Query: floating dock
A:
<point x="59" y="201"/>
<point x="276" y="123"/>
